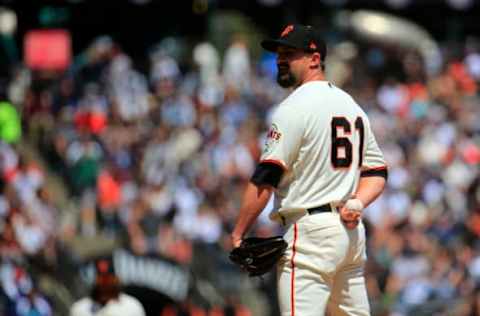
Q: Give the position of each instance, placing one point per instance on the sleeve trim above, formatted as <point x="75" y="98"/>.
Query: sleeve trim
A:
<point x="267" y="173"/>
<point x="375" y="172"/>
<point x="375" y="168"/>
<point x="275" y="162"/>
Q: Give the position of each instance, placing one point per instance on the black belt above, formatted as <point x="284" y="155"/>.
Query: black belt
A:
<point x="320" y="209"/>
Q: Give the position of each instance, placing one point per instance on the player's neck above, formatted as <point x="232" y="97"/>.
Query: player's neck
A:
<point x="314" y="76"/>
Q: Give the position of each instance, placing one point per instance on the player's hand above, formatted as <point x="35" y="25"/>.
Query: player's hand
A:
<point x="351" y="212"/>
<point x="350" y="218"/>
<point x="236" y="241"/>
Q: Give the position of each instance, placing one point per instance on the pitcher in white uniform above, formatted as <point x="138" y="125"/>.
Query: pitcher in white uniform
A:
<point x="323" y="165"/>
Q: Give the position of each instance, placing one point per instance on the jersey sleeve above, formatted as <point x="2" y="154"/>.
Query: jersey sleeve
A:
<point x="284" y="138"/>
<point x="373" y="161"/>
<point x="80" y="308"/>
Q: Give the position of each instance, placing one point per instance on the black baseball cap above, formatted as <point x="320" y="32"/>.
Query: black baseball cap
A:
<point x="298" y="36"/>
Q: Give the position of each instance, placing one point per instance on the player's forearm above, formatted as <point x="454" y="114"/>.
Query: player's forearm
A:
<point x="369" y="188"/>
<point x="254" y="201"/>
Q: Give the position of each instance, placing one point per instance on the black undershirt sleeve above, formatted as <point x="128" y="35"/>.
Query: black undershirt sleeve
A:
<point x="267" y="173"/>
<point x="375" y="173"/>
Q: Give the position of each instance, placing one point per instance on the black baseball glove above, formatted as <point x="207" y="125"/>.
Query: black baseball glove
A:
<point x="258" y="255"/>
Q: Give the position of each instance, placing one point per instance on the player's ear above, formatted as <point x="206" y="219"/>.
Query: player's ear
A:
<point x="315" y="60"/>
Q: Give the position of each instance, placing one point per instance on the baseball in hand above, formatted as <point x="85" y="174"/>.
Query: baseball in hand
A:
<point x="351" y="212"/>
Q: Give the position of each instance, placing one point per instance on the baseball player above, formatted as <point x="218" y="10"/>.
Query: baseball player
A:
<point x="322" y="162"/>
<point x="106" y="298"/>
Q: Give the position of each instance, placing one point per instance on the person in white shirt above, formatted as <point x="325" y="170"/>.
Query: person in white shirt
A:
<point x="323" y="164"/>
<point x="106" y="298"/>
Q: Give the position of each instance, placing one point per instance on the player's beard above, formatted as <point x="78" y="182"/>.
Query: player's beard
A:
<point x="285" y="77"/>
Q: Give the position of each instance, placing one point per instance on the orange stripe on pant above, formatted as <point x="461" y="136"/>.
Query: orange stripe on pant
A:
<point x="292" y="280"/>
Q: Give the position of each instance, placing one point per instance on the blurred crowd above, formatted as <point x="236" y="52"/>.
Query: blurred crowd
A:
<point x="157" y="156"/>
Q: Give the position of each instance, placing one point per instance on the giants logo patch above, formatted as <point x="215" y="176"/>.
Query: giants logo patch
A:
<point x="273" y="137"/>
<point x="287" y="30"/>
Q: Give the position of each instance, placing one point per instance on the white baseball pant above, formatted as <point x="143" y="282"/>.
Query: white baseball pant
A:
<point x="323" y="265"/>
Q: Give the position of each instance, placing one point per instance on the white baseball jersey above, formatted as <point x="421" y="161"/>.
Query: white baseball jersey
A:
<point x="126" y="305"/>
<point x="322" y="139"/>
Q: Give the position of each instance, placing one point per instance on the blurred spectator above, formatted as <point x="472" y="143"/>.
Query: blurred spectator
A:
<point x="106" y="297"/>
<point x="210" y="88"/>
<point x="83" y="157"/>
<point x="10" y="124"/>
<point x="236" y="65"/>
<point x="23" y="298"/>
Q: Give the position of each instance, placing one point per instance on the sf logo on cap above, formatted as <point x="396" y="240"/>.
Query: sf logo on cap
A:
<point x="287" y="30"/>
